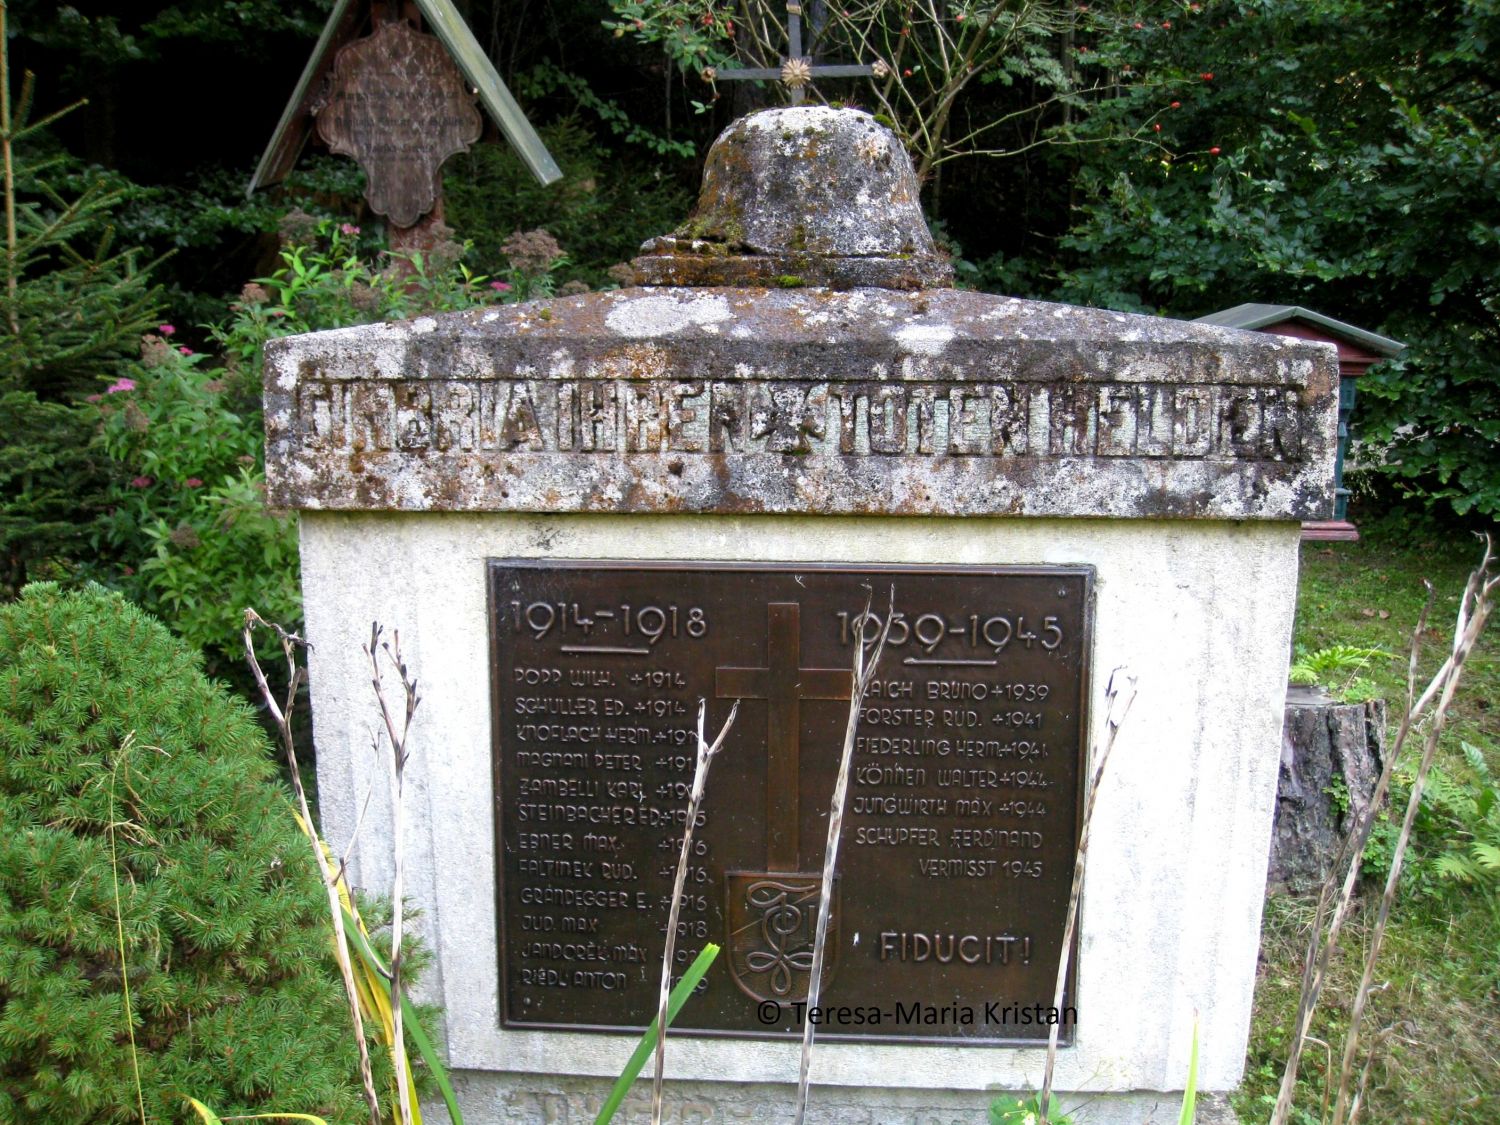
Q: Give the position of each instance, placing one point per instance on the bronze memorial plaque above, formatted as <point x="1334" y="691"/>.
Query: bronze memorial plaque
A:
<point x="963" y="806"/>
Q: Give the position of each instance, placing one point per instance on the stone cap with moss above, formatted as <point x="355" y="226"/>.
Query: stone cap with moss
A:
<point x="797" y="350"/>
<point x="808" y="195"/>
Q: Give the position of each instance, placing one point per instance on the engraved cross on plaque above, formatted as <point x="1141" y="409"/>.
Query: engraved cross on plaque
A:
<point x="796" y="70"/>
<point x="772" y="915"/>
<point x="783" y="683"/>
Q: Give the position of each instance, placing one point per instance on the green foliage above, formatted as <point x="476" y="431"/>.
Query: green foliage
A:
<point x="601" y="211"/>
<point x="71" y="308"/>
<point x="1336" y="669"/>
<point x="330" y="279"/>
<point x="694" y="34"/>
<point x="956" y="78"/>
<point x="187" y="504"/>
<point x="1017" y="1111"/>
<point x="546" y="78"/>
<point x="78" y="303"/>
<point x="187" y="520"/>
<point x="1343" y="156"/>
<point x="132" y="789"/>
<point x="1439" y="954"/>
<point x="1472" y="806"/>
<point x="1455" y="841"/>
<point x="215" y="232"/>
<point x="51" y="487"/>
<point x="140" y="31"/>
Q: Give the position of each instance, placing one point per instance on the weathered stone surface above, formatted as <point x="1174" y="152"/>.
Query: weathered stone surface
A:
<point x="495" y="1099"/>
<point x="805" y="196"/>
<point x="751" y="400"/>
<point x="1325" y="747"/>
<point x="1201" y="612"/>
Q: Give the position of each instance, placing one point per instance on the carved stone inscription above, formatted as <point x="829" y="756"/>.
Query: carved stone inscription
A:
<point x="606" y="416"/>
<point x="962" y="813"/>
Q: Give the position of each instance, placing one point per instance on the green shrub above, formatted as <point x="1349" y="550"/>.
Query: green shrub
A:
<point x="132" y="788"/>
<point x="600" y="212"/>
<point x="334" y="275"/>
<point x="187" y="523"/>
<point x="187" y="514"/>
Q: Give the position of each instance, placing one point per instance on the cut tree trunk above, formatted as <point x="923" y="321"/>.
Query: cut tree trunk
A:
<point x="1330" y="759"/>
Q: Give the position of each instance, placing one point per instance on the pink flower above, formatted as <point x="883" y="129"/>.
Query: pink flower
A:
<point x="93" y="398"/>
<point x="141" y="482"/>
<point x="192" y="482"/>
<point x="186" y="350"/>
<point x="120" y="385"/>
<point x="348" y="228"/>
<point x="165" y="329"/>
<point x="500" y="286"/>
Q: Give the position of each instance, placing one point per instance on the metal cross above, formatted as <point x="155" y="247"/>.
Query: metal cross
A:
<point x="796" y="71"/>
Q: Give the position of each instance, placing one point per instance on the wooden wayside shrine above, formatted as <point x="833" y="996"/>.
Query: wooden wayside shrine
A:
<point x="399" y="102"/>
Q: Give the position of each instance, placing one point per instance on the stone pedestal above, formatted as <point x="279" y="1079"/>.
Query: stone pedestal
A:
<point x="713" y="419"/>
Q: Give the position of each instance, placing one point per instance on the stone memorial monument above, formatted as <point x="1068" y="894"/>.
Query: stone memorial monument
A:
<point x="585" y="514"/>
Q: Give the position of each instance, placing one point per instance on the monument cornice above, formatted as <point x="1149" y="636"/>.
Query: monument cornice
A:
<point x="803" y="400"/>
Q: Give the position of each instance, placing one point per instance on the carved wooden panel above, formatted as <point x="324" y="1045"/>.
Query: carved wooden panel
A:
<point x="399" y="106"/>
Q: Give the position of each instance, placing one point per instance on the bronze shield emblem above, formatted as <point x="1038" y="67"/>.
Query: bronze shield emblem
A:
<point x="773" y="922"/>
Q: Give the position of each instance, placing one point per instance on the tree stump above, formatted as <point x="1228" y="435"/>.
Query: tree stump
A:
<point x="1331" y="757"/>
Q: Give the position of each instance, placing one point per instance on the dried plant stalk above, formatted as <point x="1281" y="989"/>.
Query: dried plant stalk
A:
<point x="1119" y="694"/>
<point x="397" y="777"/>
<point x="1474" y="609"/>
<point x="864" y="673"/>
<point x="1473" y="613"/>
<point x="1333" y="909"/>
<point x="706" y="754"/>
<point x="282" y="715"/>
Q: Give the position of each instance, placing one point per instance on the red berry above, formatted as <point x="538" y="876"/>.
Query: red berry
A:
<point x="1139" y="26"/>
<point x="1176" y="105"/>
<point x="1167" y="24"/>
<point x="1157" y="127"/>
<point x="1214" y="151"/>
<point x="1207" y="76"/>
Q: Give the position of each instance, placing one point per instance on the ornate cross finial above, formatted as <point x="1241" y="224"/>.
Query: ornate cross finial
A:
<point x="796" y="71"/>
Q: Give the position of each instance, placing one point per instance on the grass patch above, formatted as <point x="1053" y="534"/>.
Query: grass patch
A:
<point x="1439" y="1062"/>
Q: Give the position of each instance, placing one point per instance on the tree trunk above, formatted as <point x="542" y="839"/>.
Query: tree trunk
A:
<point x="1330" y="759"/>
